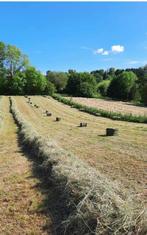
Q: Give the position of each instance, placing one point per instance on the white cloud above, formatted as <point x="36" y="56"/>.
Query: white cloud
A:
<point x="105" y="53"/>
<point x="99" y="51"/>
<point x="114" y="50"/>
<point x="117" y="48"/>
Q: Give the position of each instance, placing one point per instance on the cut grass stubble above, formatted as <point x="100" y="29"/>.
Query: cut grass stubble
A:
<point x="100" y="112"/>
<point x="95" y="205"/>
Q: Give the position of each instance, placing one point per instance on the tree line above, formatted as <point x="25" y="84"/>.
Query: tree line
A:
<point x="119" y="84"/>
<point x="18" y="77"/>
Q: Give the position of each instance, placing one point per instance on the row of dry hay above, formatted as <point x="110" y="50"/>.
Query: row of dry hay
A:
<point x="94" y="204"/>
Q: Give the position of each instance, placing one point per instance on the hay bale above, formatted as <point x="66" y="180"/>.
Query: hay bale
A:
<point x="48" y="114"/>
<point x="83" y="124"/>
<point x="111" y="131"/>
<point x="58" y="119"/>
<point x="36" y="106"/>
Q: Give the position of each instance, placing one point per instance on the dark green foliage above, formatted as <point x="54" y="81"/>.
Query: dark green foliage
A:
<point x="59" y="79"/>
<point x="50" y="89"/>
<point x="144" y="94"/>
<point x="143" y="84"/>
<point x="81" y="84"/>
<point x="35" y="81"/>
<point x="73" y="83"/>
<point x="87" y="90"/>
<point x="100" y="112"/>
<point x="15" y="85"/>
<point x="103" y="87"/>
<point x="123" y="86"/>
<point x="101" y="75"/>
<point x="17" y="77"/>
<point x="3" y="85"/>
<point x="98" y="74"/>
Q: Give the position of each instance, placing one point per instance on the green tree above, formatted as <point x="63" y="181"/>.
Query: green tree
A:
<point x="111" y="72"/>
<point x="86" y="90"/>
<point x="144" y="94"/>
<point x="2" y="59"/>
<point x="2" y="54"/>
<point x="3" y="85"/>
<point x="143" y="85"/>
<point x="73" y="83"/>
<point x="14" y="60"/>
<point x="102" y="87"/>
<point x="98" y="74"/>
<point x="16" y="85"/>
<point x="122" y="87"/>
<point x="78" y="84"/>
<point x="59" y="79"/>
<point x="49" y="89"/>
<point x="35" y="82"/>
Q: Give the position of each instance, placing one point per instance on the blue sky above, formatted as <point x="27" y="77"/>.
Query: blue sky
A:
<point x="82" y="36"/>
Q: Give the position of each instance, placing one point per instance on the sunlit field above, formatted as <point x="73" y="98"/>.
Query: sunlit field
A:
<point x="111" y="105"/>
<point x="122" y="158"/>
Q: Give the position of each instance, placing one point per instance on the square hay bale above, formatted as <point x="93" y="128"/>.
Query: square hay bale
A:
<point x="83" y="124"/>
<point x="111" y="131"/>
<point x="58" y="119"/>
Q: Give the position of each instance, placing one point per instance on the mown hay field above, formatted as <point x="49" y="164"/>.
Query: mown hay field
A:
<point x="122" y="158"/>
<point x="21" y="201"/>
<point x="112" y="106"/>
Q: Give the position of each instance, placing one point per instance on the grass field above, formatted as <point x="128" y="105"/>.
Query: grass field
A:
<point x="115" y="106"/>
<point x="121" y="159"/>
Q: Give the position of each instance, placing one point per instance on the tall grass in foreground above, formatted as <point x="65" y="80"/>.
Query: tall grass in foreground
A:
<point x="95" y="205"/>
<point x="100" y="112"/>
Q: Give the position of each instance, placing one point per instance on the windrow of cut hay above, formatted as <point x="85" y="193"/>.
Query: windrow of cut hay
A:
<point x="100" y="112"/>
<point x="94" y="204"/>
